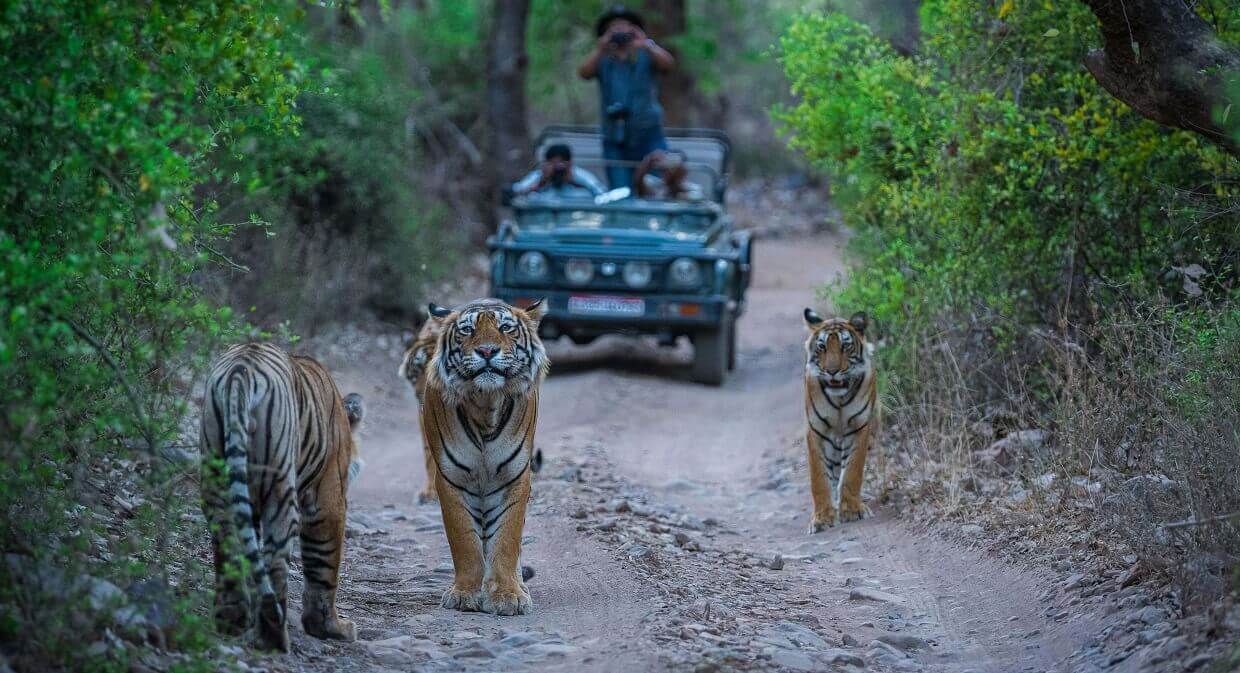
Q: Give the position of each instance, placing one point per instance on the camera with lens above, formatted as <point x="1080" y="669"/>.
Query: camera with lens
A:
<point x="618" y="113"/>
<point x="621" y="39"/>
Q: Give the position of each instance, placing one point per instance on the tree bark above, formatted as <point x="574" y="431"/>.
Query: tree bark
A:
<point x="505" y="95"/>
<point x="1165" y="62"/>
<point x="666" y="19"/>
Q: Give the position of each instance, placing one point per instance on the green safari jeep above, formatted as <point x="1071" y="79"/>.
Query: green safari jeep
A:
<point x="616" y="264"/>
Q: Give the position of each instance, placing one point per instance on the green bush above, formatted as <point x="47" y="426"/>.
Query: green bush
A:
<point x="1035" y="253"/>
<point x="353" y="222"/>
<point x="993" y="174"/>
<point x="112" y="117"/>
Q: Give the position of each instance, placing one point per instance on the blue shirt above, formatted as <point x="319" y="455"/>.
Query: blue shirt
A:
<point x="631" y="82"/>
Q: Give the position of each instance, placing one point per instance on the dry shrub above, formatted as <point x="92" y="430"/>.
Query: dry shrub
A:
<point x="1120" y="438"/>
<point x="1155" y="410"/>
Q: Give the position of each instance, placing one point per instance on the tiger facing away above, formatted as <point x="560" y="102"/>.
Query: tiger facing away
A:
<point x="479" y="409"/>
<point x="278" y="453"/>
<point x="419" y="349"/>
<point x="842" y="411"/>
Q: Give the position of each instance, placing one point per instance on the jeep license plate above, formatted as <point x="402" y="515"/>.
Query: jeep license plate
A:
<point x="629" y="306"/>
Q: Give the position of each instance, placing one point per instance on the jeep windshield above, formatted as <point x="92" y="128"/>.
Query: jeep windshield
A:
<point x="667" y="218"/>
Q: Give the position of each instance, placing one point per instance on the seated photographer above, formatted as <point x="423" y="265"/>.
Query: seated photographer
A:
<point x="625" y="61"/>
<point x="557" y="176"/>
<point x="671" y="184"/>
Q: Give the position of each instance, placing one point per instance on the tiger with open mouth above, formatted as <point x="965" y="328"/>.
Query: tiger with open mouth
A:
<point x="842" y="412"/>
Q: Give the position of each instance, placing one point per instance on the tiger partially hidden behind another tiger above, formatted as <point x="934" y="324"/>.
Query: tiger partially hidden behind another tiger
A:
<point x="842" y="411"/>
<point x="419" y="349"/>
<point x="479" y="409"/>
<point x="278" y="454"/>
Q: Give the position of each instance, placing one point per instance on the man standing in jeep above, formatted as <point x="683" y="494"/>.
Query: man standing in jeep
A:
<point x="625" y="61"/>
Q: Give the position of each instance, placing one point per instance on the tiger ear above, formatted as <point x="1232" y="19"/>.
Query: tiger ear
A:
<point x="811" y="317"/>
<point x="859" y="321"/>
<point x="438" y="311"/>
<point x="537" y="310"/>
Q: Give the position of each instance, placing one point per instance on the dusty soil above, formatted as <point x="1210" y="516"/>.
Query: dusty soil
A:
<point x="668" y="529"/>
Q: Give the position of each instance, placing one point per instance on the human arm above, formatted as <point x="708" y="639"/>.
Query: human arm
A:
<point x="589" y="67"/>
<point x="662" y="58"/>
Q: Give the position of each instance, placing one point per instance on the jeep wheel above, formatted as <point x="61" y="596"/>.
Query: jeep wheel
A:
<point x="710" y="355"/>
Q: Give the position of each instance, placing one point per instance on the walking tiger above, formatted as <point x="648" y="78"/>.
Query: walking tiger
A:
<point x="278" y="453"/>
<point x="842" y="413"/>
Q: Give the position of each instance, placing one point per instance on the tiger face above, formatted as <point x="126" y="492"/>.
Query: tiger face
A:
<point x="836" y="352"/>
<point x="489" y="347"/>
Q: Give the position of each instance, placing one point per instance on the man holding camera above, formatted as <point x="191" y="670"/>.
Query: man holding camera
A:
<point x="557" y="176"/>
<point x="625" y="61"/>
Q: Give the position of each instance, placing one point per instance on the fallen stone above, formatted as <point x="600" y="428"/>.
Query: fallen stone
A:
<point x="868" y="594"/>
<point x="797" y="661"/>
<point x="551" y="649"/>
<point x="842" y="657"/>
<point x="971" y="529"/>
<point x="902" y="641"/>
<point x="776" y="562"/>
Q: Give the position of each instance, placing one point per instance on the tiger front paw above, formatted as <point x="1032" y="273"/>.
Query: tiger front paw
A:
<point x="507" y="602"/>
<point x="460" y="599"/>
<point x="853" y="511"/>
<point x="334" y="628"/>
<point x="821" y="522"/>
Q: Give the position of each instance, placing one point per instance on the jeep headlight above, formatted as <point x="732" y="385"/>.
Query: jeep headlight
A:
<point x="685" y="273"/>
<point x="579" y="271"/>
<point x="637" y="274"/>
<point x="532" y="266"/>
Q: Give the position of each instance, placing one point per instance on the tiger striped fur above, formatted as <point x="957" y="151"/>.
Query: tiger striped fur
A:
<point x="278" y="453"/>
<point x="419" y="349"/>
<point x="842" y="412"/>
<point x="480" y="406"/>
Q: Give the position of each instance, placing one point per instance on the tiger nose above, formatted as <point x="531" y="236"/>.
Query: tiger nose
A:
<point x="487" y="351"/>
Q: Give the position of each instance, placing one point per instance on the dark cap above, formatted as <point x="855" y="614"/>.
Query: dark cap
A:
<point x="618" y="12"/>
<point x="558" y="151"/>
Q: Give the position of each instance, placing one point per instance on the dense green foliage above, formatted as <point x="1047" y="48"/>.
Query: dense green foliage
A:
<point x="354" y="224"/>
<point x="994" y="175"/>
<point x="108" y="131"/>
<point x="1032" y="247"/>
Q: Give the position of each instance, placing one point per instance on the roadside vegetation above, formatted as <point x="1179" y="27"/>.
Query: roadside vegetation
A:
<point x="1054" y="279"/>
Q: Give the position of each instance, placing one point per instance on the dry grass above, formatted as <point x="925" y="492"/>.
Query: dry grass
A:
<point x="1139" y="457"/>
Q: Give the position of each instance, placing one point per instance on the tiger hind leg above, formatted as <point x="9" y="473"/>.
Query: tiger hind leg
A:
<point x="322" y="549"/>
<point x="429" y="493"/>
<point x="279" y="529"/>
<point x="233" y="608"/>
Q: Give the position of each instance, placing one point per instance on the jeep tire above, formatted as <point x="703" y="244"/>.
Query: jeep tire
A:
<point x="710" y="354"/>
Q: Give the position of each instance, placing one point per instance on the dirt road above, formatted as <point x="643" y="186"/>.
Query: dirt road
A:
<point x="668" y="529"/>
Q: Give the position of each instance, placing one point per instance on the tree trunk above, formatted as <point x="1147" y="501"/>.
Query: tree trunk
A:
<point x="505" y="96"/>
<point x="1165" y="62"/>
<point x="665" y="20"/>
